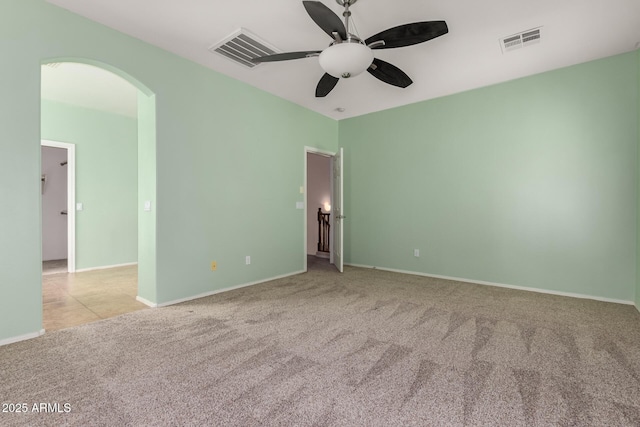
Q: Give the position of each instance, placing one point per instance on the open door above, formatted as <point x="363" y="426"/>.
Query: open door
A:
<point x="338" y="213"/>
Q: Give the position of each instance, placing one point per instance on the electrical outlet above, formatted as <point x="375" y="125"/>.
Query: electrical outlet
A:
<point x="247" y="260"/>
<point x="214" y="266"/>
<point x="416" y="253"/>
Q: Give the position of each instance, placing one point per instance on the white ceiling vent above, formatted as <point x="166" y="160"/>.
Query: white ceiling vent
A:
<point x="523" y="39"/>
<point x="242" y="46"/>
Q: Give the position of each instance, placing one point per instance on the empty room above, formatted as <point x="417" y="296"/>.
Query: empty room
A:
<point x="475" y="256"/>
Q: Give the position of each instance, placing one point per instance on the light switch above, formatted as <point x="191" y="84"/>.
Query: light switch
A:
<point x="301" y="190"/>
<point x="299" y="205"/>
<point x="79" y="206"/>
<point x="147" y="205"/>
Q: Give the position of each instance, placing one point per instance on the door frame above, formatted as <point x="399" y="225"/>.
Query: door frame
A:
<point x="71" y="199"/>
<point x="331" y="155"/>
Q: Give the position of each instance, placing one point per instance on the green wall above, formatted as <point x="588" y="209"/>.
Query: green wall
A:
<point x="147" y="177"/>
<point x="528" y="183"/>
<point x="106" y="180"/>
<point x="227" y="157"/>
<point x="638" y="195"/>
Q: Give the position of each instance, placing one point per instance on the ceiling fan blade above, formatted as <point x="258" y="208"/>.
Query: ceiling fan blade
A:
<point x="286" y="56"/>
<point x="409" y="34"/>
<point x="388" y="73"/>
<point x="325" y="18"/>
<point x="326" y="85"/>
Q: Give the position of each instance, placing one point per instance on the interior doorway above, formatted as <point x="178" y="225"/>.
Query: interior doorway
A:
<point x="96" y="112"/>
<point x="322" y="246"/>
<point x="318" y="205"/>
<point x="58" y="165"/>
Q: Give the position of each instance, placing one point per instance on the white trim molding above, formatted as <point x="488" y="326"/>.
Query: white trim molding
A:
<point x="219" y="291"/>
<point x="19" y="338"/>
<point x="314" y="150"/>
<point x="146" y="302"/>
<point x="105" y="267"/>
<point x="499" y="285"/>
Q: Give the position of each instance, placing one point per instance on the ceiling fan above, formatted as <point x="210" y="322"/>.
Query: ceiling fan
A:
<point x="348" y="55"/>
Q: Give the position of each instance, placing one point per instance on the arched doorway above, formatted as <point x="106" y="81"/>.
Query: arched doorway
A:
<point x="108" y="190"/>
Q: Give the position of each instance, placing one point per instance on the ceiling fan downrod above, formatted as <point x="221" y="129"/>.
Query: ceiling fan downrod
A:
<point x="347" y="14"/>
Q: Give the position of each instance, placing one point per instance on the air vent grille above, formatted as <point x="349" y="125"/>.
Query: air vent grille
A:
<point x="520" y="40"/>
<point x="242" y="46"/>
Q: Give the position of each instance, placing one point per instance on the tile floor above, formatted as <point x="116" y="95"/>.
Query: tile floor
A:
<point x="79" y="298"/>
<point x="54" y="266"/>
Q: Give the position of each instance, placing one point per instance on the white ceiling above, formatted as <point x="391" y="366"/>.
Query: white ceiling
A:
<point x="573" y="31"/>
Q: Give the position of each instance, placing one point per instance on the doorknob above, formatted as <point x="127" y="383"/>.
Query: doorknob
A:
<point x="63" y="213"/>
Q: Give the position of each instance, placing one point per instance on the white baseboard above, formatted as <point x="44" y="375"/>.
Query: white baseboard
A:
<point x="105" y="267"/>
<point x="146" y="302"/>
<point x="218" y="291"/>
<point x="499" y="285"/>
<point x="21" y="337"/>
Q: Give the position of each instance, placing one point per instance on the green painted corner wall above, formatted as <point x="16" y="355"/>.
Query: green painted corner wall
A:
<point x="528" y="183"/>
<point x="237" y="190"/>
<point x="227" y="156"/>
<point x="106" y="180"/>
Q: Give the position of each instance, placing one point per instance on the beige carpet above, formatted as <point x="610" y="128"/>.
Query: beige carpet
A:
<point x="363" y="348"/>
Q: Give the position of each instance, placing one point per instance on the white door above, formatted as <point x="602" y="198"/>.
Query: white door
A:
<point x="338" y="213"/>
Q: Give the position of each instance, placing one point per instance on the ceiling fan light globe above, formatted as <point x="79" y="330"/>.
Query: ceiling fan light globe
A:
<point x="346" y="59"/>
